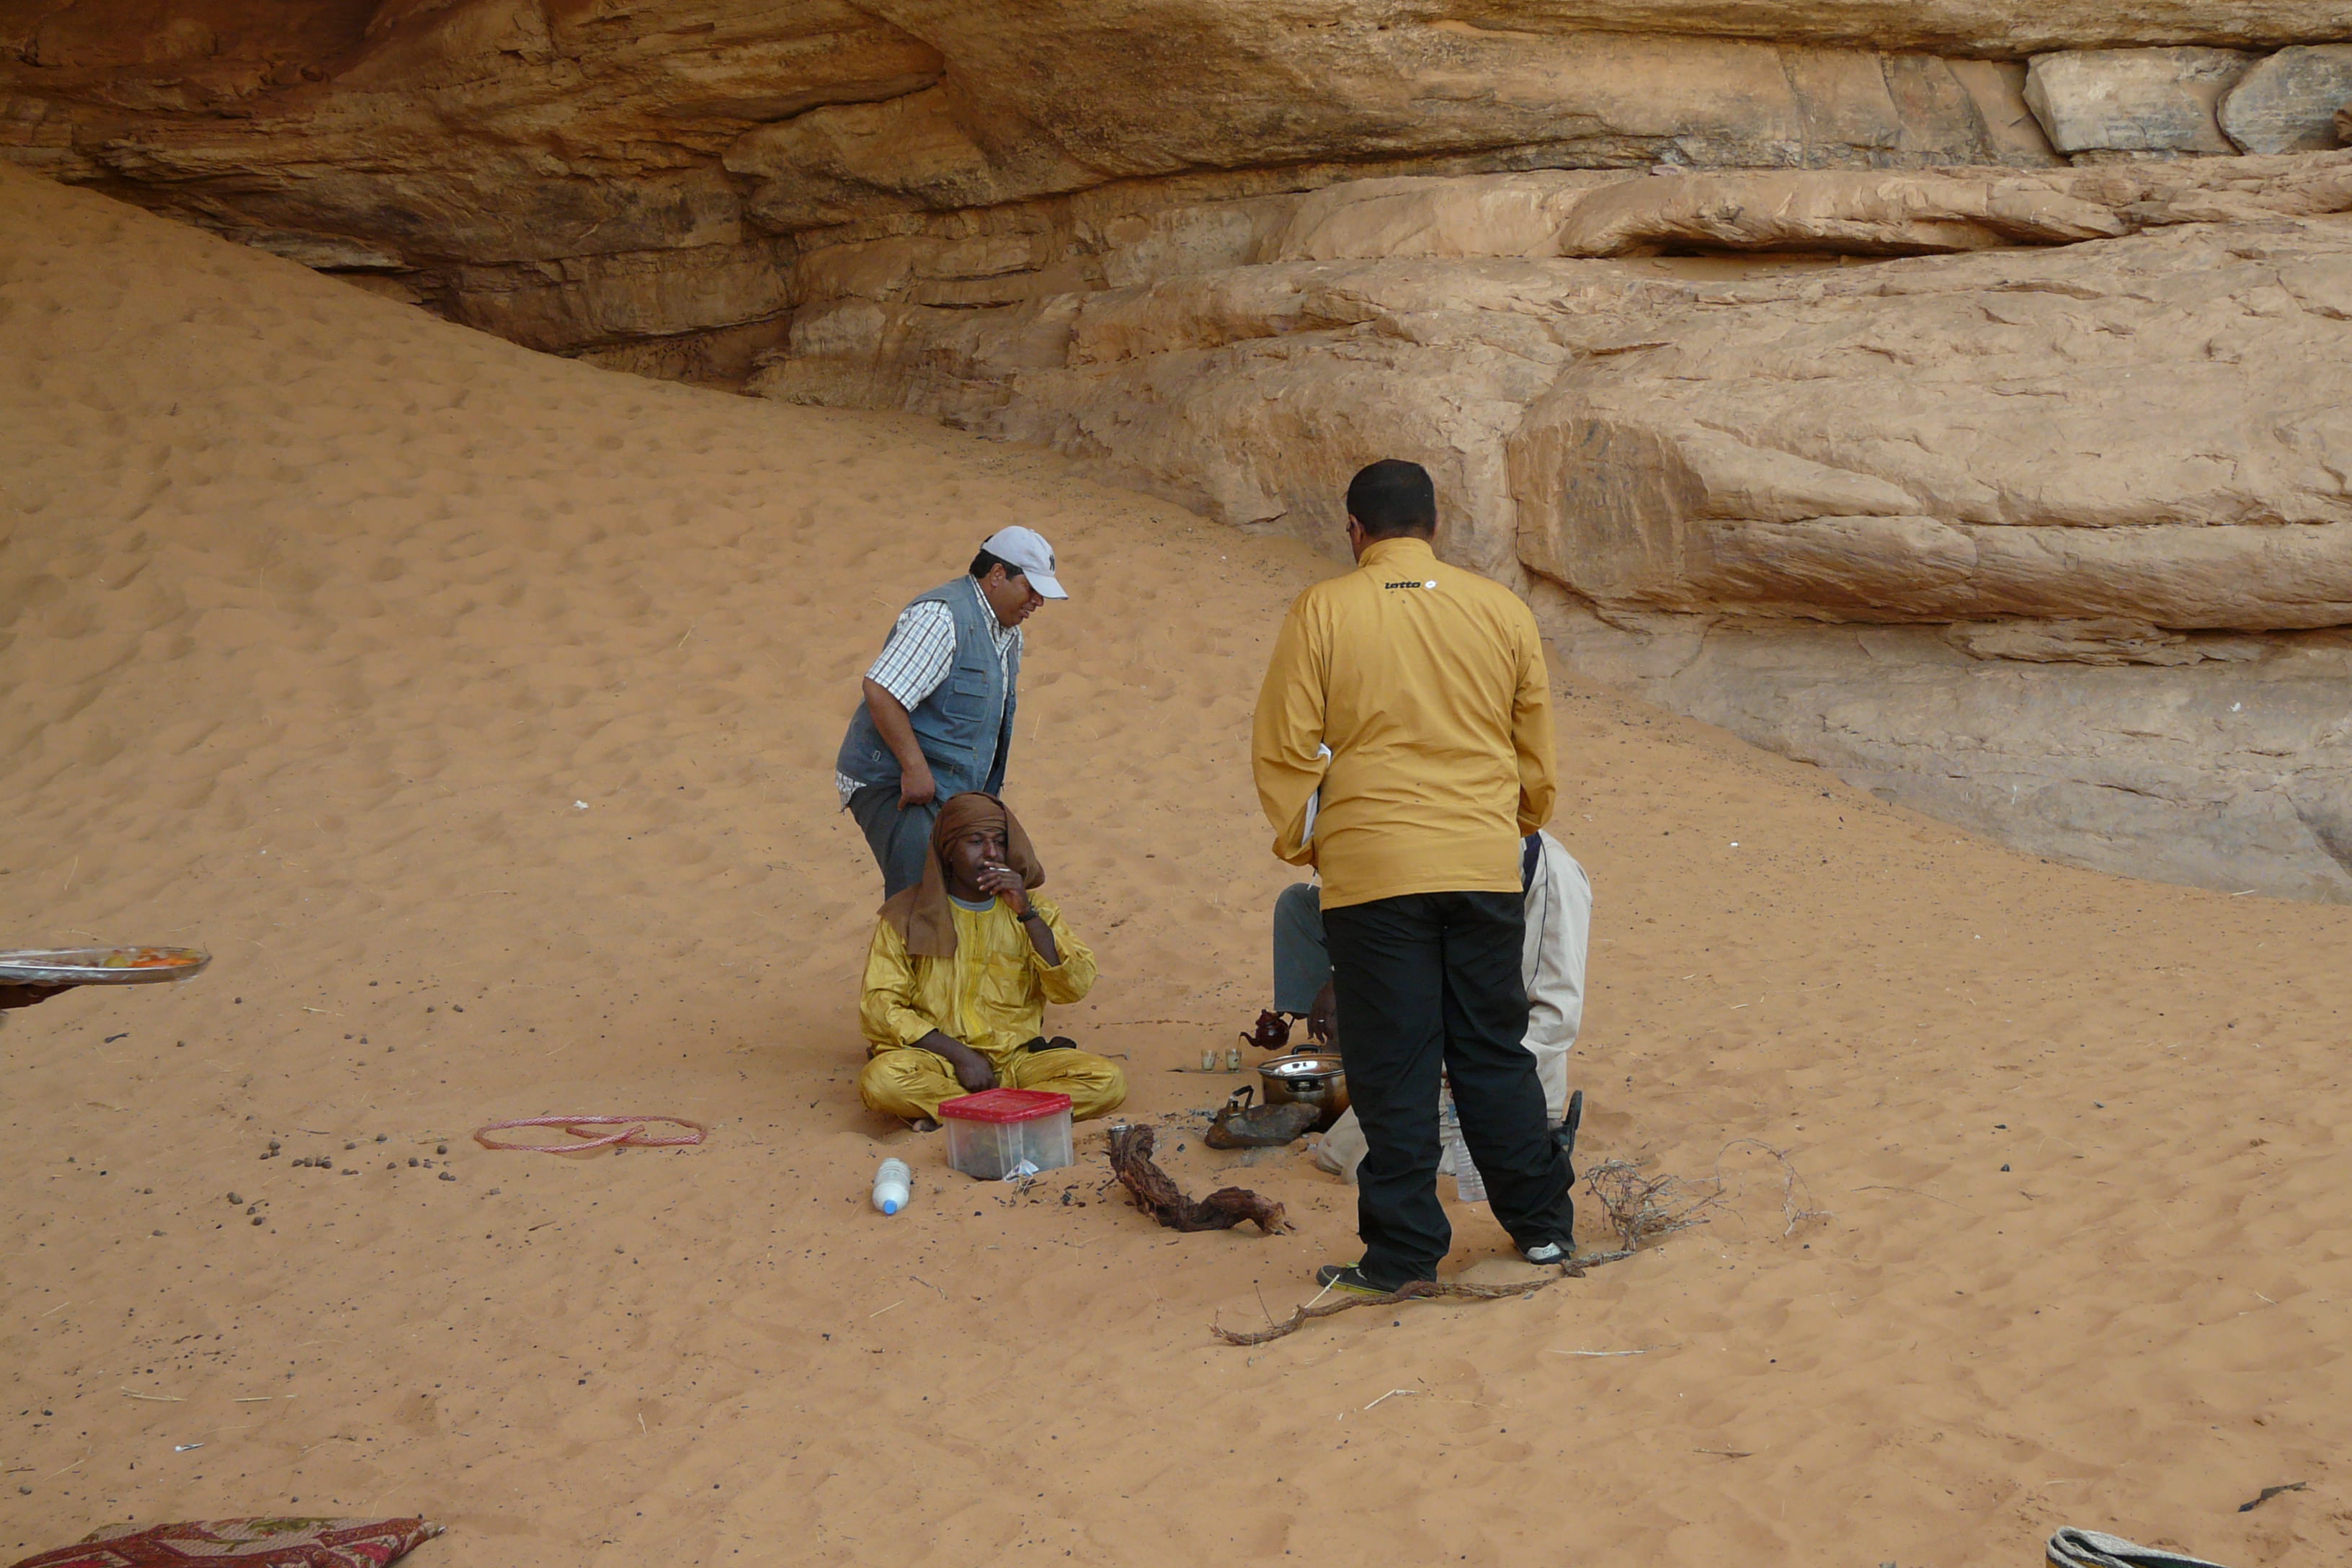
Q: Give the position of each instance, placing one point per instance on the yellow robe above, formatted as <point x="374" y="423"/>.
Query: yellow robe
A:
<point x="992" y="995"/>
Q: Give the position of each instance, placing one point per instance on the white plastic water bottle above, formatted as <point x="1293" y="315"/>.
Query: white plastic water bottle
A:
<point x="892" y="1185"/>
<point x="1469" y="1185"/>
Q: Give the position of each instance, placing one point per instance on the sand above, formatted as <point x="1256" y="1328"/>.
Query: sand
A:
<point x="477" y="710"/>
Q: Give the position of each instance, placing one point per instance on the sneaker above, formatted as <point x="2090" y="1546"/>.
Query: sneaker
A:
<point x="1348" y="1280"/>
<point x="1549" y="1252"/>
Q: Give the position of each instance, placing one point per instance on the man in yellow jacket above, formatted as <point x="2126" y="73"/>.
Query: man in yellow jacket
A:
<point x="959" y="971"/>
<point x="1404" y="748"/>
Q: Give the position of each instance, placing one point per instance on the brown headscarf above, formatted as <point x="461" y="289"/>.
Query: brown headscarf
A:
<point x="922" y="913"/>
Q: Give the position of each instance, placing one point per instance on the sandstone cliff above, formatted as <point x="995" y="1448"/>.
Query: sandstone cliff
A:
<point x="1948" y="393"/>
<point x="576" y="172"/>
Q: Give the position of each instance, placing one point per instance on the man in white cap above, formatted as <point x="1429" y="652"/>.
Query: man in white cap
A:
<point x="937" y="716"/>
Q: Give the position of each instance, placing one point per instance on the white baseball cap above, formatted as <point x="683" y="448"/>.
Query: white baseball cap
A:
<point x="1026" y="550"/>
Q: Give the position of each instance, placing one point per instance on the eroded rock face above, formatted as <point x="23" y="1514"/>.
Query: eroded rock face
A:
<point x="526" y="164"/>
<point x="2133" y="100"/>
<point x="1895" y="443"/>
<point x="2065" y="421"/>
<point x="1921" y="387"/>
<point x="2156" y="428"/>
<point x="2289" y="103"/>
<point x="2231" y="772"/>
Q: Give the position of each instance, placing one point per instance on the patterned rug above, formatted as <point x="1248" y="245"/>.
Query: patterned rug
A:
<point x="244" y="1543"/>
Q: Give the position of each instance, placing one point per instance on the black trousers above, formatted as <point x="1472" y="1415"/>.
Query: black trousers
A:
<point x="1429" y="983"/>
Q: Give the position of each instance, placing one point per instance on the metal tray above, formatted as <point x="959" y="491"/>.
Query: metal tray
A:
<point x="102" y="965"/>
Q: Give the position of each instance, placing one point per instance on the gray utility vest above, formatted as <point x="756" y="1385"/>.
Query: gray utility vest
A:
<point x="965" y="727"/>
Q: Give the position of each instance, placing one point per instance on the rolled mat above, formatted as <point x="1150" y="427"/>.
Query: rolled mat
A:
<point x="2089" y="1549"/>
<point x="270" y="1542"/>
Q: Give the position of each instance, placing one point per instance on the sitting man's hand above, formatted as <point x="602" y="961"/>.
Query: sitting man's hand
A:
<point x="26" y="995"/>
<point x="1323" y="1018"/>
<point x="1004" y="882"/>
<point x="972" y="1070"/>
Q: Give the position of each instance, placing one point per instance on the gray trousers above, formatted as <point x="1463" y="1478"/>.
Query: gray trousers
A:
<point x="901" y="840"/>
<point x="1302" y="962"/>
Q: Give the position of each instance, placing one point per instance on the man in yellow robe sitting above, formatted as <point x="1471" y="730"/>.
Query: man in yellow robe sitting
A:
<point x="959" y="975"/>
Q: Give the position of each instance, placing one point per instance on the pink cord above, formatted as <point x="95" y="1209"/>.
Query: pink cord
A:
<point x="631" y="1126"/>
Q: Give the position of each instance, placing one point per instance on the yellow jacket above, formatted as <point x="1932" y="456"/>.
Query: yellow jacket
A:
<point x="1428" y="683"/>
<point x="991" y="996"/>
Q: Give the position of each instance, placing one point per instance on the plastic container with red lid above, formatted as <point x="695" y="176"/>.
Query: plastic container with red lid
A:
<point x="992" y="1134"/>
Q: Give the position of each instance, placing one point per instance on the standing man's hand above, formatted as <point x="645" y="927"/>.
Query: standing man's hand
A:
<point x="972" y="1070"/>
<point x="915" y="786"/>
<point x="1323" y="1018"/>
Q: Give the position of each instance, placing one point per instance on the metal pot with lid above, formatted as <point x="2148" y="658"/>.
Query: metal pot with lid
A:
<point x="1307" y="1078"/>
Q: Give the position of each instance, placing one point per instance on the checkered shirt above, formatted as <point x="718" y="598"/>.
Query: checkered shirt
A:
<point x="918" y="655"/>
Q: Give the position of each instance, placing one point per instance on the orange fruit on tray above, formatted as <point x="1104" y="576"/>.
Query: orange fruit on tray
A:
<point x="100" y="966"/>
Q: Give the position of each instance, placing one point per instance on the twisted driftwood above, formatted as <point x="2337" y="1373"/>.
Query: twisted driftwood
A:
<point x="1157" y="1194"/>
<point x="1419" y="1290"/>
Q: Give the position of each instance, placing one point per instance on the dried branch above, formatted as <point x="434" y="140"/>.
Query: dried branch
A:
<point x="1643" y="1208"/>
<point x="1419" y="1290"/>
<point x="1796" y="1194"/>
<point x="1157" y="1194"/>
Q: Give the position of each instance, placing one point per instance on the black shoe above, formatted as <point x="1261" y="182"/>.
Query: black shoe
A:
<point x="1564" y="1135"/>
<point x="1347" y="1280"/>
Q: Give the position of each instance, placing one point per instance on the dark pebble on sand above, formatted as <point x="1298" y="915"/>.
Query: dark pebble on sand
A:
<point x="440" y="1148"/>
<point x="257" y="1219"/>
<point x="412" y="1161"/>
<point x="234" y="1199"/>
<point x="448" y="1177"/>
